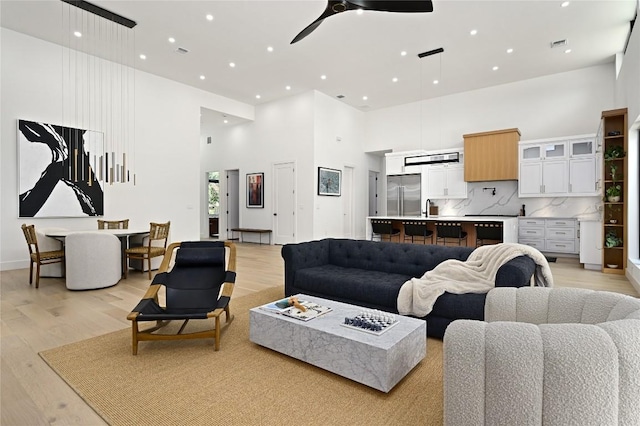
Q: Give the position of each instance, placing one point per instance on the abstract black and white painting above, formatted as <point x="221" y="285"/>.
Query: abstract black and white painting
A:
<point x="57" y="171"/>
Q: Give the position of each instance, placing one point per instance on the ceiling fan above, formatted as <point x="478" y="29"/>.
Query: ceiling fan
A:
<point x="337" y="6"/>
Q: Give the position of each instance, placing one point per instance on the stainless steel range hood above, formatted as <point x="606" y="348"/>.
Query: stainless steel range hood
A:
<point x="448" y="157"/>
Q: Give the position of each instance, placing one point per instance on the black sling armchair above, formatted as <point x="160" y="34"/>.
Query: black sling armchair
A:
<point x="199" y="286"/>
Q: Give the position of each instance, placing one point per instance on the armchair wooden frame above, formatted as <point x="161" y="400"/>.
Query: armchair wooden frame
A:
<point x="38" y="257"/>
<point x="138" y="335"/>
<point x="157" y="232"/>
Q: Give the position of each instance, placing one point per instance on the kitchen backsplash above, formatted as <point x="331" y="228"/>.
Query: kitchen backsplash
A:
<point x="506" y="202"/>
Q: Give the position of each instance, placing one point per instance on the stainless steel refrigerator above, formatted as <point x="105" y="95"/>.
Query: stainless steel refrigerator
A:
<point x="403" y="195"/>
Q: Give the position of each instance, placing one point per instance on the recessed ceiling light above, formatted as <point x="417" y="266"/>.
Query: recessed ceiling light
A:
<point x="77" y="34"/>
<point x="269" y="49"/>
<point x="509" y="50"/>
<point x="209" y="17"/>
<point x="258" y="96"/>
<point x="364" y="98"/>
<point x="495" y="68"/>
<point x="403" y="53"/>
<point x="143" y="56"/>
<point x="359" y="11"/>
<point x="394" y="79"/>
<point x="567" y="51"/>
<point x="225" y="121"/>
<point x="436" y="81"/>
<point x="565" y="4"/>
<point x="473" y="32"/>
<point x="324" y="77"/>
<point x="202" y="77"/>
<point x="288" y="87"/>
<point x="172" y="40"/>
<point x="232" y="64"/>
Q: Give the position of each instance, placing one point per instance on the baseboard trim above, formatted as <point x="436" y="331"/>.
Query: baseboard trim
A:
<point x="15" y="264"/>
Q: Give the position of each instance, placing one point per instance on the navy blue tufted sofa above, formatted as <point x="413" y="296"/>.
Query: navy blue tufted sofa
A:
<point x="370" y="274"/>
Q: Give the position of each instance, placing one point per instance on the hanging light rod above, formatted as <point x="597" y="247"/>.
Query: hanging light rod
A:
<point x="97" y="10"/>
<point x="423" y="54"/>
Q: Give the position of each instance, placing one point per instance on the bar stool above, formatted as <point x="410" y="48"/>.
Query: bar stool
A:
<point x="488" y="231"/>
<point x="417" y="229"/>
<point x="451" y="230"/>
<point x="384" y="229"/>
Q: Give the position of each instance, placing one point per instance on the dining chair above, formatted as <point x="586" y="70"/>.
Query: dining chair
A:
<point x="38" y="257"/>
<point x="113" y="224"/>
<point x="156" y="246"/>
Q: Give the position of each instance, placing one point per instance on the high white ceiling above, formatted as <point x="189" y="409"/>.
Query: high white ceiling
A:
<point x="358" y="53"/>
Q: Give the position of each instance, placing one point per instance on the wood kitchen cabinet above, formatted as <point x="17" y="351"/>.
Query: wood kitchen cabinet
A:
<point x="491" y="155"/>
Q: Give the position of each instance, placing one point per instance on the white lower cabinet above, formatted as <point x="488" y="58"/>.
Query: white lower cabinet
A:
<point x="556" y="235"/>
<point x="591" y="244"/>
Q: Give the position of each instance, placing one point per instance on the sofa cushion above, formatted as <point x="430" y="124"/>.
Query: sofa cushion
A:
<point x="369" y="287"/>
<point x="411" y="260"/>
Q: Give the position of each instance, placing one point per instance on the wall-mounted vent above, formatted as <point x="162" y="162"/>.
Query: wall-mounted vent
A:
<point x="339" y="96"/>
<point x="182" y="50"/>
<point x="208" y="140"/>
<point x="558" y="43"/>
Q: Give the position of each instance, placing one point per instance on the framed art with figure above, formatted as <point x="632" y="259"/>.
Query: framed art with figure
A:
<point x="255" y="190"/>
<point x="329" y="181"/>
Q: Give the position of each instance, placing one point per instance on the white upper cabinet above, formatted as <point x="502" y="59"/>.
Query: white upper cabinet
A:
<point x="559" y="167"/>
<point x="446" y="181"/>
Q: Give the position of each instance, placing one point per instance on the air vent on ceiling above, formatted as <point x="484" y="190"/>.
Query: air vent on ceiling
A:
<point x="182" y="50"/>
<point x="339" y="96"/>
<point x="558" y="43"/>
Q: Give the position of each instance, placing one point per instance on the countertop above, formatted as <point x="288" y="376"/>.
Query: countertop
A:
<point x="450" y="218"/>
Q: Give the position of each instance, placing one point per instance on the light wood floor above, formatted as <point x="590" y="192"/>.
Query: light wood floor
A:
<point x="35" y="320"/>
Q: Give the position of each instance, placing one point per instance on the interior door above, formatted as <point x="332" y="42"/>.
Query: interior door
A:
<point x="284" y="219"/>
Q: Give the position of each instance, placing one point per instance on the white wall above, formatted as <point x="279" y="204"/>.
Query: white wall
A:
<point x="339" y="142"/>
<point x="167" y="136"/>
<point x="552" y="106"/>
<point x="301" y="129"/>
<point x="282" y="132"/>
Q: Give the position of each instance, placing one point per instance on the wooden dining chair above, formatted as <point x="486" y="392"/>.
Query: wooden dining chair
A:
<point x="113" y="224"/>
<point x="156" y="246"/>
<point x="38" y="257"/>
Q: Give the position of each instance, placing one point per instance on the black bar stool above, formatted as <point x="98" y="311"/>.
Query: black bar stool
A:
<point x="452" y="230"/>
<point x="488" y="233"/>
<point x="383" y="229"/>
<point x="417" y="229"/>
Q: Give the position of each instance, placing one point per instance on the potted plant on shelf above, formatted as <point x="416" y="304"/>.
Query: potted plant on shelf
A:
<point x="613" y="210"/>
<point x="613" y="193"/>
<point x="613" y="152"/>
<point x="612" y="239"/>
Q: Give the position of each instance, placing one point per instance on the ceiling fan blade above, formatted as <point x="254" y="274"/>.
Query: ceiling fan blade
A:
<point x="401" y="6"/>
<point x="310" y="28"/>
<point x="333" y="7"/>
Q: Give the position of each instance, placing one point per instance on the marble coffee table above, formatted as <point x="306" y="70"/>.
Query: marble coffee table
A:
<point x="378" y="361"/>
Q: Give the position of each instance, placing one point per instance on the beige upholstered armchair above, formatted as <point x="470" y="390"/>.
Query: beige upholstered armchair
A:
<point x="545" y="357"/>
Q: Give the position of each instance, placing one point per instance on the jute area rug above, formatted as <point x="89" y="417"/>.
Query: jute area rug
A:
<point x="188" y="383"/>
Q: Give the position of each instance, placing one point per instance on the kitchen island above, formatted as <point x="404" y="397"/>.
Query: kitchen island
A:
<point x="509" y="225"/>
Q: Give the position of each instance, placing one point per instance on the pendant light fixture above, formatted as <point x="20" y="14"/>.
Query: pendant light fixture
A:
<point x="98" y="85"/>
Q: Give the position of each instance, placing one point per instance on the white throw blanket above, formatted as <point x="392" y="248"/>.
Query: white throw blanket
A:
<point x="475" y="275"/>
